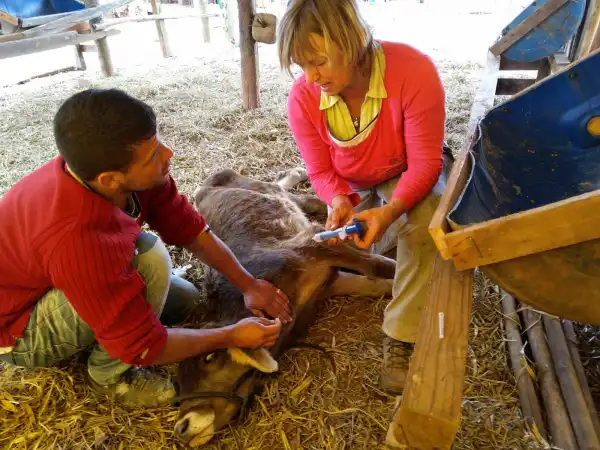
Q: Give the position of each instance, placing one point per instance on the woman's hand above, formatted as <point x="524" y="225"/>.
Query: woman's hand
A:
<point x="377" y="221"/>
<point x="262" y="297"/>
<point x="341" y="213"/>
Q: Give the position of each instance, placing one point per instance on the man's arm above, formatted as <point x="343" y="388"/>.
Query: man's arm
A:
<point x="183" y="343"/>
<point x="259" y="295"/>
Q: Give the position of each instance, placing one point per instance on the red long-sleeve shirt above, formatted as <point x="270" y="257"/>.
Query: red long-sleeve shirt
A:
<point x="407" y="137"/>
<point x="55" y="233"/>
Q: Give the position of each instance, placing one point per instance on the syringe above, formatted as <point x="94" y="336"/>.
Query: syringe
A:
<point x="342" y="232"/>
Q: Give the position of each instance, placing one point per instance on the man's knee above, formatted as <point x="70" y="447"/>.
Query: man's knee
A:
<point x="153" y="262"/>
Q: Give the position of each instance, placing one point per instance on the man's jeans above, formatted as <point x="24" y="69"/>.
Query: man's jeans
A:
<point x="55" y="332"/>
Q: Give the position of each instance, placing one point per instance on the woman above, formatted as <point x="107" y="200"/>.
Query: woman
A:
<point x="368" y="118"/>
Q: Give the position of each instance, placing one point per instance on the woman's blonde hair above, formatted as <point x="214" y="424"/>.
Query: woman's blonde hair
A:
<point x="337" y="21"/>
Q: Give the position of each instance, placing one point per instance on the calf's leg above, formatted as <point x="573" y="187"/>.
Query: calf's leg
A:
<point x="359" y="285"/>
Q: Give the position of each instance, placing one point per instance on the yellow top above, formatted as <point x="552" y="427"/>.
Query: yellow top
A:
<point x="339" y="120"/>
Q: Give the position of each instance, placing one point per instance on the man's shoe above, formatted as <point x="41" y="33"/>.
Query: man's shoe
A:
<point x="138" y="387"/>
<point x="396" y="356"/>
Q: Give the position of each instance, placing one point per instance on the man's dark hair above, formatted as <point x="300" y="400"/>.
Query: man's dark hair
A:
<point x="95" y="130"/>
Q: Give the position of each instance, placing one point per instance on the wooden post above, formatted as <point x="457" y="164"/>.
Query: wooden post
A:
<point x="559" y="424"/>
<point x="572" y="343"/>
<point x="530" y="404"/>
<point x="102" y="44"/>
<point x="201" y="5"/>
<point x="249" y="54"/>
<point x="429" y="414"/>
<point x="585" y="433"/>
<point x="79" y="58"/>
<point x="162" y="31"/>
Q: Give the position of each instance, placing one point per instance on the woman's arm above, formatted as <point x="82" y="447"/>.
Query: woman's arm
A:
<point x="424" y="105"/>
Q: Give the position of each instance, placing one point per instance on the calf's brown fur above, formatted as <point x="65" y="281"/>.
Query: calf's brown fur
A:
<point x="269" y="231"/>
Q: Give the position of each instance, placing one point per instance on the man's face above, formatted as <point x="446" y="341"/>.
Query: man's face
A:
<point x="150" y="166"/>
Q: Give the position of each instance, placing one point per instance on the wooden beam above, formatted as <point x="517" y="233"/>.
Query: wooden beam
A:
<point x="537" y="230"/>
<point x="201" y="5"/>
<point x="512" y="86"/>
<point x="106" y="23"/>
<point x="51" y="42"/>
<point x="249" y="56"/>
<point x="483" y="101"/>
<point x="161" y="30"/>
<point x="9" y="18"/>
<point x="507" y="64"/>
<point x="521" y="30"/>
<point x="92" y="11"/>
<point x="429" y="413"/>
<point x="29" y="22"/>
<point x="590" y="30"/>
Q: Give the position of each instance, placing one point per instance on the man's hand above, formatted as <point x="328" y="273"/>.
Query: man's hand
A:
<point x="254" y="332"/>
<point x="262" y="297"/>
<point x="377" y="221"/>
<point x="341" y="212"/>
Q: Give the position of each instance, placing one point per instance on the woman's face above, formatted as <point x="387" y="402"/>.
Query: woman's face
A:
<point x="325" y="69"/>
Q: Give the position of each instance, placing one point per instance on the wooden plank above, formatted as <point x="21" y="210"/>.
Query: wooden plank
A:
<point x="9" y="18"/>
<point x="201" y="5"/>
<point x="44" y="43"/>
<point x="483" y="101"/>
<point x="507" y="64"/>
<point x="162" y="31"/>
<point x="429" y="413"/>
<point x="249" y="54"/>
<point x="521" y="30"/>
<point x="106" y="23"/>
<point x="512" y="86"/>
<point x="590" y="29"/>
<point x="29" y="22"/>
<point x="11" y="37"/>
<point x="92" y="11"/>
<point x="537" y="230"/>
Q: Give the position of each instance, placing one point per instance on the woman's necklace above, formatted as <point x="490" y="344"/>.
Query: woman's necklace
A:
<point x="356" y="122"/>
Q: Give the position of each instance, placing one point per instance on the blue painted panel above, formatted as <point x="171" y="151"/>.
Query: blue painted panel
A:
<point x="23" y="9"/>
<point x="535" y="149"/>
<point x="551" y="35"/>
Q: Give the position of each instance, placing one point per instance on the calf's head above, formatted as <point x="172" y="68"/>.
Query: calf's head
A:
<point x="213" y="388"/>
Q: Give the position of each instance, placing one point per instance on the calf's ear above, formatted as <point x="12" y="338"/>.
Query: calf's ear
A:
<point x="260" y="359"/>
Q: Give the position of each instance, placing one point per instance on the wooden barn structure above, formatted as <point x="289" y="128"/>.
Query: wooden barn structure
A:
<point x="31" y="26"/>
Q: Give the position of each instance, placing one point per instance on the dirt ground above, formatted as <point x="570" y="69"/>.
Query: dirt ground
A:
<point x="196" y="96"/>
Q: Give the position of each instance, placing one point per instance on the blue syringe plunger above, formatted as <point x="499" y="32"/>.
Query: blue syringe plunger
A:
<point x="342" y="232"/>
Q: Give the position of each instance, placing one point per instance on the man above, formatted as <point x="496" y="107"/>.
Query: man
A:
<point x="76" y="270"/>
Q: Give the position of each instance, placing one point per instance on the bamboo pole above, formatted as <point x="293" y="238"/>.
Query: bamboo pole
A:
<point x="572" y="343"/>
<point x="569" y="383"/>
<point x="530" y="404"/>
<point x="559" y="423"/>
